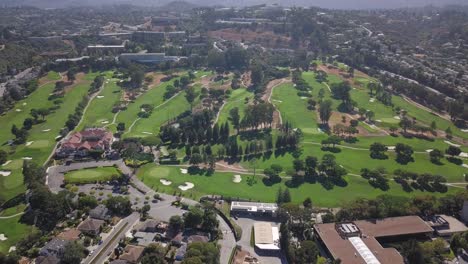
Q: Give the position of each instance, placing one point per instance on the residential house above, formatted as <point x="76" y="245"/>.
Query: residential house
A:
<point x="55" y="248"/>
<point x="100" y="212"/>
<point x="132" y="254"/>
<point x="47" y="260"/>
<point x="91" y="226"/>
<point x="70" y="235"/>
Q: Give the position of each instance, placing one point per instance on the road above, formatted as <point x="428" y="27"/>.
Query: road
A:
<point x="102" y="252"/>
<point x="162" y="210"/>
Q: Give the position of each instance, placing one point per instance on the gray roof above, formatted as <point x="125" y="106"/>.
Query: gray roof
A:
<point x="100" y="212"/>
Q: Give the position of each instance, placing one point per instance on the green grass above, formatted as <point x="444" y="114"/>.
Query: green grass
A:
<point x="237" y="99"/>
<point x="53" y="76"/>
<point x="13" y="210"/>
<point x="14" y="231"/>
<point x="100" y="109"/>
<point x="294" y="109"/>
<point x="43" y="142"/>
<point x="99" y="174"/>
<point x="221" y="184"/>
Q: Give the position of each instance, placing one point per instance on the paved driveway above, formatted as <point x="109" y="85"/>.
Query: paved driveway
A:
<point x="137" y="193"/>
<point x="266" y="257"/>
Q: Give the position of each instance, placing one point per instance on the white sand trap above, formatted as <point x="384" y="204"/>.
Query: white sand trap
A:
<point x="303" y="97"/>
<point x="187" y="186"/>
<point x="372" y="100"/>
<point x="463" y="155"/>
<point x="464" y="130"/>
<point x="3" y="237"/>
<point x="12" y="248"/>
<point x="451" y="144"/>
<point x="378" y="120"/>
<point x="147" y="133"/>
<point x="429" y="150"/>
<point x="58" y="137"/>
<point x="279" y="101"/>
<point x="195" y="72"/>
<point x="391" y="147"/>
<point x="294" y="85"/>
<point x="29" y="143"/>
<point x="27" y="158"/>
<point x="18" y="110"/>
<point x="184" y="171"/>
<point x="237" y="179"/>
<point x="105" y="122"/>
<point x="397" y="117"/>
<point x="203" y="76"/>
<point x="25" y="103"/>
<point x="7" y="162"/>
<point x="100" y="96"/>
<point x="5" y="173"/>
<point x="465" y="165"/>
<point x="165" y="182"/>
<point x="46" y="130"/>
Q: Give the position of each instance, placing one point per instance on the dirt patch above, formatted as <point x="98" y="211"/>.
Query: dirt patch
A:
<point x="224" y="166"/>
<point x="246" y="79"/>
<point x="332" y="70"/>
<point x="79" y="79"/>
<point x="336" y="118"/>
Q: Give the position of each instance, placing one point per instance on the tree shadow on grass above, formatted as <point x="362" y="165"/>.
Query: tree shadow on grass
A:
<point x="455" y="161"/>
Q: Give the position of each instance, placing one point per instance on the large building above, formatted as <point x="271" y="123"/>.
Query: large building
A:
<point x="266" y="236"/>
<point x="254" y="208"/>
<point x="359" y="242"/>
<point x="148" y="57"/>
<point x="80" y="144"/>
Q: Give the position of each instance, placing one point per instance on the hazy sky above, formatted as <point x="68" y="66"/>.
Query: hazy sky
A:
<point x="339" y="4"/>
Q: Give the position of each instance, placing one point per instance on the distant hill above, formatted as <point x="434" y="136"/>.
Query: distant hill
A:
<point x="180" y="5"/>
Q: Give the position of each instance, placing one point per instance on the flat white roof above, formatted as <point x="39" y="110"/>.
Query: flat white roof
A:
<point x="254" y="207"/>
<point x="266" y="236"/>
<point x="363" y="250"/>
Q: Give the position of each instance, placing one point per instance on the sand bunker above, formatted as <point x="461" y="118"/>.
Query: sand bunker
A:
<point x="183" y="171"/>
<point x="463" y="155"/>
<point x="464" y="130"/>
<point x="18" y="110"/>
<point x="58" y="137"/>
<point x="397" y="117"/>
<point x="378" y="120"/>
<point x="5" y="173"/>
<point x="451" y="144"/>
<point x="165" y="182"/>
<point x="105" y="122"/>
<point x="3" y="237"/>
<point x="27" y="158"/>
<point x="25" y="103"/>
<point x="372" y="100"/>
<point x="12" y="248"/>
<point x="203" y="76"/>
<point x="279" y="101"/>
<point x="391" y="147"/>
<point x="187" y="186"/>
<point x="29" y="143"/>
<point x="148" y="133"/>
<point x="236" y="179"/>
<point x="303" y="97"/>
<point x="100" y="96"/>
<point x="465" y="165"/>
<point x="46" y="130"/>
<point x="7" y="162"/>
<point x="429" y="150"/>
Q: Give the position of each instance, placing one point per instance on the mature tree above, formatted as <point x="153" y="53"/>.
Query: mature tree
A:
<point x="154" y="254"/>
<point x="71" y="74"/>
<point x="257" y="75"/>
<point x="453" y="151"/>
<point x="405" y="123"/>
<point x="176" y="223"/>
<point x="377" y="151"/>
<point x="208" y="253"/>
<point x="307" y="252"/>
<point x="403" y="153"/>
<point x="196" y="159"/>
<point x="121" y="126"/>
<point x="298" y="165"/>
<point x="73" y="253"/>
<point x="119" y="205"/>
<point x="341" y="91"/>
<point x="286" y="196"/>
<point x="194" y="217"/>
<point x="436" y="155"/>
<point x="190" y="96"/>
<point x="87" y="201"/>
<point x="325" y="111"/>
<point x="234" y="117"/>
<point x="3" y="156"/>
